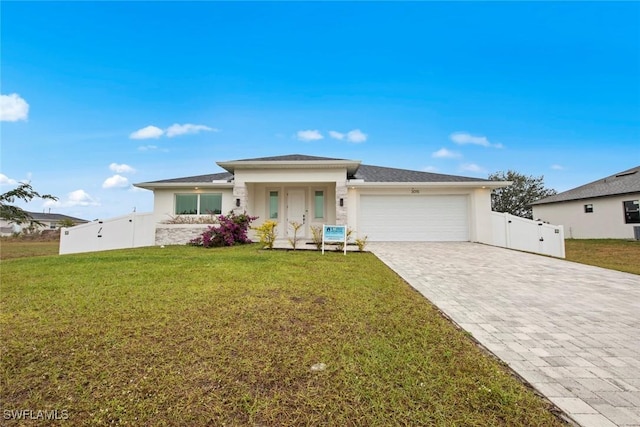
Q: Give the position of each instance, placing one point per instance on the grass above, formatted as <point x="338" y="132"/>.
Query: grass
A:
<point x="615" y="254"/>
<point x="188" y="336"/>
<point x="19" y="248"/>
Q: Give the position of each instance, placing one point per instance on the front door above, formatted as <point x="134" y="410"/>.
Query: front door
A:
<point x="296" y="210"/>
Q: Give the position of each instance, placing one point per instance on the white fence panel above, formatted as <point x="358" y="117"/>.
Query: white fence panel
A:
<point x="129" y="231"/>
<point x="524" y="234"/>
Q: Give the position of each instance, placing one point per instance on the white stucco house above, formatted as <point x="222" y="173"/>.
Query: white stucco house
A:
<point x="385" y="204"/>
<point x="606" y="208"/>
<point x="49" y="221"/>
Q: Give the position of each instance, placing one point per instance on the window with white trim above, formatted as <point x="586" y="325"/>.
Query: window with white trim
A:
<point x="198" y="204"/>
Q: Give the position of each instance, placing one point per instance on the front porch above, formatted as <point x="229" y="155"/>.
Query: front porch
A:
<point x="309" y="204"/>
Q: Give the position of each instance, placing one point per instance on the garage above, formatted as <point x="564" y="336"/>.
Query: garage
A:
<point x="441" y="218"/>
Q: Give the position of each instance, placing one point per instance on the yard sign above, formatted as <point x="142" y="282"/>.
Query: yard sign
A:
<point x="334" y="233"/>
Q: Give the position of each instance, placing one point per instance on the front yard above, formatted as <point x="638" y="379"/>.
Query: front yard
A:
<point x="241" y="336"/>
<point x="615" y="254"/>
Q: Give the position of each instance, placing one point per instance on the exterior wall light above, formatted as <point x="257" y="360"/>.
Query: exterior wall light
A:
<point x="341" y="202"/>
<point x="238" y="203"/>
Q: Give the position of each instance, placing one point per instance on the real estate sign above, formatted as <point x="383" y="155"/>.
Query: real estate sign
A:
<point x="334" y="233"/>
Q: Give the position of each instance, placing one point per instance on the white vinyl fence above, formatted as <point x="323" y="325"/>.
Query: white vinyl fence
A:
<point x="128" y="231"/>
<point x="524" y="234"/>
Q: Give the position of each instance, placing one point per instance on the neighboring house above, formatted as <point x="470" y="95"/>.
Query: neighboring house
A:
<point x="385" y="204"/>
<point x="50" y="221"/>
<point x="607" y="208"/>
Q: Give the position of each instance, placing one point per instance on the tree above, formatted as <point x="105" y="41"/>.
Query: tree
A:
<point x="14" y="214"/>
<point x="516" y="199"/>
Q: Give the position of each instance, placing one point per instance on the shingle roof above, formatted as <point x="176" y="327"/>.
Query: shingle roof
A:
<point x="198" y="178"/>
<point x="288" y="157"/>
<point x="383" y="174"/>
<point x="368" y="173"/>
<point x="38" y="216"/>
<point x="624" y="182"/>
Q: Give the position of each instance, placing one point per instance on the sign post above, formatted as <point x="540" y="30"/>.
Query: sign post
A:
<point x="334" y="233"/>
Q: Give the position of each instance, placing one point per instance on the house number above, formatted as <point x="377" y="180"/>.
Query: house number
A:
<point x="415" y="191"/>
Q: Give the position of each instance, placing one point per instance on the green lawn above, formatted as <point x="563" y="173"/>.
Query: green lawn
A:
<point x="19" y="248"/>
<point x="189" y="336"/>
<point x="615" y="254"/>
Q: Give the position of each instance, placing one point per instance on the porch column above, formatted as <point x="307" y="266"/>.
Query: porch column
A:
<point x="341" y="211"/>
<point x="239" y="193"/>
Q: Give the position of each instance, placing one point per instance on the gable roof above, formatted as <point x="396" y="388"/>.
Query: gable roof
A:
<point x="356" y="171"/>
<point x="624" y="182"/>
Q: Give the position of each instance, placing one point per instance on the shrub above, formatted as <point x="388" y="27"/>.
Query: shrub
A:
<point x="296" y="226"/>
<point x="228" y="231"/>
<point x="191" y="219"/>
<point x="361" y="242"/>
<point x="316" y="236"/>
<point x="340" y="245"/>
<point x="267" y="233"/>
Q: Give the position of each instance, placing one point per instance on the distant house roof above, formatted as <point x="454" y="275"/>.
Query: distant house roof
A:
<point x="41" y="216"/>
<point x="357" y="171"/>
<point x="624" y="182"/>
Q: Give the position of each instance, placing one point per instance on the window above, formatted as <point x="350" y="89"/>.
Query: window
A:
<point x="273" y="205"/>
<point x="318" y="207"/>
<point x="186" y="204"/>
<point x="210" y="204"/>
<point x="199" y="204"/>
<point x="588" y="208"/>
<point x="632" y="212"/>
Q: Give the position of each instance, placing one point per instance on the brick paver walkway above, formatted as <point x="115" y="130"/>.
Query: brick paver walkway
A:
<point x="571" y="330"/>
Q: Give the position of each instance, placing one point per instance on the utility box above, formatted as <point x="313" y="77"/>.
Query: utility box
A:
<point x="636" y="232"/>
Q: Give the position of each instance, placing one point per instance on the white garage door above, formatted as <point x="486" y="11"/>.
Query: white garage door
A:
<point x="414" y="218"/>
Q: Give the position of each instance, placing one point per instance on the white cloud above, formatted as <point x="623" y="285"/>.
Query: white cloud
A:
<point x="115" y="181"/>
<point x="122" y="168"/>
<point x="147" y="147"/>
<point x="13" y="108"/>
<point x="309" y="135"/>
<point x="147" y="133"/>
<point x="430" y="169"/>
<point x="187" y="128"/>
<point x="5" y="180"/>
<point x="75" y="198"/>
<point x="336" y="135"/>
<point x="443" y="153"/>
<point x="463" y="138"/>
<point x="557" y="167"/>
<point x="472" y="167"/>
<point x="356" y="136"/>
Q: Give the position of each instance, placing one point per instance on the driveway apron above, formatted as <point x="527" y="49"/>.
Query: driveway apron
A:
<point x="571" y="330"/>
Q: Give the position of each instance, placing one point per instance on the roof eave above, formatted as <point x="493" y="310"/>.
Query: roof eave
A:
<point x="474" y="184"/>
<point x="154" y="185"/>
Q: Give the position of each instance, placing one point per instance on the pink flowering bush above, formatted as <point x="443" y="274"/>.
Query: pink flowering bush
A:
<point x="228" y="231"/>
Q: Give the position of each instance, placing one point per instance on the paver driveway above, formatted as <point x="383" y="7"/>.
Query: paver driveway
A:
<point x="571" y="330"/>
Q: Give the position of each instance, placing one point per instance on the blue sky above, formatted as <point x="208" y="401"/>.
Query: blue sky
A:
<point x="97" y="96"/>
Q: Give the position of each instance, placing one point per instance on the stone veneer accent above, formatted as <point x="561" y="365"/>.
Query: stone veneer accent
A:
<point x="239" y="192"/>
<point x="178" y="234"/>
<point x="341" y="211"/>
